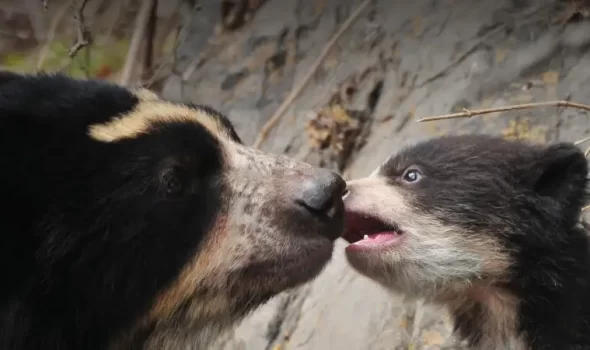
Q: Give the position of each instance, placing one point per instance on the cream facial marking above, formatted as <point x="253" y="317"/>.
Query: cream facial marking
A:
<point x="147" y="112"/>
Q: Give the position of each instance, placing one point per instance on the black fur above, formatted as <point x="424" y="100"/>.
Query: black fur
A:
<point x="530" y="199"/>
<point x="93" y="232"/>
<point x="72" y="258"/>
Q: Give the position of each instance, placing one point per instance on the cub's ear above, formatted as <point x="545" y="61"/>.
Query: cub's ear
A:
<point x="562" y="172"/>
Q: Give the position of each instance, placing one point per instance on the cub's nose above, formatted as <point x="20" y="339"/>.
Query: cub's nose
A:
<point x="321" y="193"/>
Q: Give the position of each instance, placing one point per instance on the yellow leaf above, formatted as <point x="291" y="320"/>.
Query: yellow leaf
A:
<point x="522" y="130"/>
<point x="417" y="25"/>
<point x="403" y="323"/>
<point x="169" y="43"/>
<point x="500" y="55"/>
<point x="331" y="63"/>
<point x="433" y="338"/>
<point x="319" y="7"/>
<point x="339" y="115"/>
<point x="551" y="77"/>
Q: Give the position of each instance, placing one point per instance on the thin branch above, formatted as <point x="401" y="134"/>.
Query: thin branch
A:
<point x="470" y="113"/>
<point x="460" y="58"/>
<point x="165" y="67"/>
<point x="149" y="37"/>
<point x="86" y="63"/>
<point x="310" y="73"/>
<point x="82" y="32"/>
<point x="416" y="323"/>
<point x="55" y="21"/>
<point x="582" y="140"/>
<point x="191" y="68"/>
<point x="36" y="20"/>
<point x="210" y="10"/>
<point x="136" y="39"/>
<point x="114" y="18"/>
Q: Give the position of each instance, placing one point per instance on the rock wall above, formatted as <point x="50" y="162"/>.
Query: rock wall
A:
<point x="400" y="61"/>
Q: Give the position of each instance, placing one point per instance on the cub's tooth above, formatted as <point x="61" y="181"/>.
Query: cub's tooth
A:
<point x="366" y="237"/>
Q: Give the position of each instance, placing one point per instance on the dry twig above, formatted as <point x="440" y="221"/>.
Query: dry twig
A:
<point x="460" y="58"/>
<point x="587" y="152"/>
<point x="582" y="140"/>
<point x="164" y="67"/>
<point x="141" y="22"/>
<point x="470" y="113"/>
<point x="55" y="21"/>
<point x="149" y="37"/>
<point x="83" y="33"/>
<point x="314" y="67"/>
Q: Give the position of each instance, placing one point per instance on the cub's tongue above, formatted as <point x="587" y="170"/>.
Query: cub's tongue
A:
<point x="362" y="230"/>
<point x="378" y="238"/>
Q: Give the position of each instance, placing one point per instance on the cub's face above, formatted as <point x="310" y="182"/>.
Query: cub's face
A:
<point x="453" y="211"/>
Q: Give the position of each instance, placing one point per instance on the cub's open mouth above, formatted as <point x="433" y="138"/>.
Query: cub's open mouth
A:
<point x="366" y="232"/>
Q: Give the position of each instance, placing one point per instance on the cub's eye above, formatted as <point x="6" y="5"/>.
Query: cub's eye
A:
<point x="412" y="175"/>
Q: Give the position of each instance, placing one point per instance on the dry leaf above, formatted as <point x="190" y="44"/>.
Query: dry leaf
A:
<point x="433" y="338"/>
<point x="319" y="7"/>
<point x="417" y="26"/>
<point x="523" y="98"/>
<point x="386" y="118"/>
<point x="486" y="103"/>
<point x="551" y="77"/>
<point x="335" y="129"/>
<point x="104" y="72"/>
<point x="403" y="323"/>
<point x="500" y="55"/>
<point x="340" y="115"/>
<point x="522" y="130"/>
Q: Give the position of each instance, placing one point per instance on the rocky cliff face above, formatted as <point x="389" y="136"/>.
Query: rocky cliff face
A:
<point x="400" y="61"/>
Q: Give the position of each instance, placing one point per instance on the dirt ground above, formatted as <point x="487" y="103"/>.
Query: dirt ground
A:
<point x="400" y="61"/>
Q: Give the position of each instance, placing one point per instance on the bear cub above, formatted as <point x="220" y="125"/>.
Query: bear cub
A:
<point x="489" y="228"/>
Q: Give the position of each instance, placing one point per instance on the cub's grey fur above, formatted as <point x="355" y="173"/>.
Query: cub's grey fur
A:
<point x="489" y="228"/>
